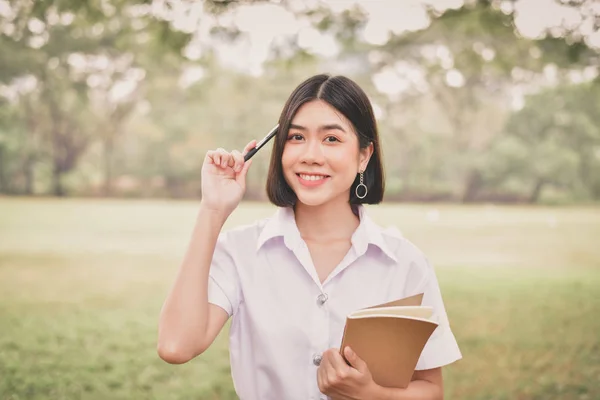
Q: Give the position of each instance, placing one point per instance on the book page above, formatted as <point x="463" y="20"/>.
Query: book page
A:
<point x="408" y="311"/>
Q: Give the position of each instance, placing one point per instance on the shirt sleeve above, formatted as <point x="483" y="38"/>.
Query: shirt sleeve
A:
<point x="441" y="348"/>
<point x="223" y="279"/>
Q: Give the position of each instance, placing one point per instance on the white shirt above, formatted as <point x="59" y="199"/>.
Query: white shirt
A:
<point x="284" y="318"/>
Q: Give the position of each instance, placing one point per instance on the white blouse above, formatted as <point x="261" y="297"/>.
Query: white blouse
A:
<point x="283" y="318"/>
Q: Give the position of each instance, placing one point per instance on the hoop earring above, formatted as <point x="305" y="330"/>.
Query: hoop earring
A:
<point x="363" y="185"/>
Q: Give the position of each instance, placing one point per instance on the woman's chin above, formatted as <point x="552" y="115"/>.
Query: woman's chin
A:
<point x="313" y="200"/>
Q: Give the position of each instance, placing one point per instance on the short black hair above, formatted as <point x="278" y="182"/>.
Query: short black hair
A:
<point x="348" y="98"/>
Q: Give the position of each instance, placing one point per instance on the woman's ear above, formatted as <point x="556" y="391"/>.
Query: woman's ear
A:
<point x="365" y="156"/>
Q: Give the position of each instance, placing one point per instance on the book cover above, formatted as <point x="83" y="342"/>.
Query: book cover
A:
<point x="390" y="337"/>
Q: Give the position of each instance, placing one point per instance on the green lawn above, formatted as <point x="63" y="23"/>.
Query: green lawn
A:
<point x="82" y="282"/>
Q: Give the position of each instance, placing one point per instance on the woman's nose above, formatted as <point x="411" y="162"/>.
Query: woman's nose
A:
<point x="314" y="153"/>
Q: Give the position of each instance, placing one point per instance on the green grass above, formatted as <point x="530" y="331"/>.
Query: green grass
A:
<point x="82" y="283"/>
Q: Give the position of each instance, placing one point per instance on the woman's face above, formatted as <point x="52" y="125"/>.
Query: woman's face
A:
<point x="321" y="156"/>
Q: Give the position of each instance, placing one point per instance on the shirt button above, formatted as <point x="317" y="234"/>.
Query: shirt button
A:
<point x="317" y="359"/>
<point x="322" y="298"/>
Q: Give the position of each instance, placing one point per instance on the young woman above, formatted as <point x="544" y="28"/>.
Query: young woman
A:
<point x="289" y="281"/>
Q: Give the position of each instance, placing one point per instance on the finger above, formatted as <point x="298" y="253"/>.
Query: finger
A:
<point x="215" y="157"/>
<point x="321" y="379"/>
<point x="220" y="159"/>
<point x="210" y="157"/>
<point x="241" y="176"/>
<point x="331" y="373"/>
<point x="336" y="360"/>
<point x="249" y="146"/>
<point x="230" y="161"/>
<point x="331" y="376"/>
<point x="354" y="360"/>
<point x="238" y="160"/>
<point x="225" y="159"/>
<point x="324" y="361"/>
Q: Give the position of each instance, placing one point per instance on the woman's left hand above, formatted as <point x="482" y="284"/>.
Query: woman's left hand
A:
<point x="339" y="380"/>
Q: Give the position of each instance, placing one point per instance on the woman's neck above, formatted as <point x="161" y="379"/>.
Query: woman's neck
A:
<point x="330" y="221"/>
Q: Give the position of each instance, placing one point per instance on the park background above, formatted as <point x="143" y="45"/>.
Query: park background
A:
<point x="489" y="116"/>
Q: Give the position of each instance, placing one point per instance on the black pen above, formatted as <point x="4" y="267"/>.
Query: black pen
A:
<point x="260" y="144"/>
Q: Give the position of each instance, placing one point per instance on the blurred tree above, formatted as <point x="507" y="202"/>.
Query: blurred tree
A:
<point x="554" y="140"/>
<point x="75" y="50"/>
<point x="450" y="87"/>
<point x="470" y="61"/>
<point x="97" y="91"/>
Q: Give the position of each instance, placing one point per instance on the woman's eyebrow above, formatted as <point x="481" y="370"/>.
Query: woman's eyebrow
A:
<point x="327" y="127"/>
<point x="300" y="128"/>
<point x="330" y="127"/>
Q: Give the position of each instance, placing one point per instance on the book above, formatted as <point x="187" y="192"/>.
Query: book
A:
<point x="390" y="337"/>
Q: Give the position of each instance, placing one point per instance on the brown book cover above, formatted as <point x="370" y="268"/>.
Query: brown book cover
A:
<point x="390" y="337"/>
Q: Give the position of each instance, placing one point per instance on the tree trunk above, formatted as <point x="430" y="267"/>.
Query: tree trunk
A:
<point x="108" y="173"/>
<point x="57" y="186"/>
<point x="472" y="187"/>
<point x="3" y="184"/>
<point x="537" y="190"/>
<point x="28" y="167"/>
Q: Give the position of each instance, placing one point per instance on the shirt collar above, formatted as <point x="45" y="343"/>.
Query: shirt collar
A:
<point x="283" y="224"/>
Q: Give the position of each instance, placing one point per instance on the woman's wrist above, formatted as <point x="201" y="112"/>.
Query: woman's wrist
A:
<point x="377" y="392"/>
<point x="213" y="216"/>
<point x="373" y="391"/>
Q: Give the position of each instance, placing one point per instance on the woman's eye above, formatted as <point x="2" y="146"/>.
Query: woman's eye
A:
<point x="295" y="137"/>
<point x="331" y="139"/>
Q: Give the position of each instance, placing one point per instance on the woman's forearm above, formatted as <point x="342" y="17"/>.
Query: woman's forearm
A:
<point x="184" y="316"/>
<point x="416" y="390"/>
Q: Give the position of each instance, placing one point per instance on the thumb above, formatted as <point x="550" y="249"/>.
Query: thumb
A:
<point x="354" y="360"/>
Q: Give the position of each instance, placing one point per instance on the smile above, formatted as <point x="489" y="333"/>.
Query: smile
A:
<point x="312" y="179"/>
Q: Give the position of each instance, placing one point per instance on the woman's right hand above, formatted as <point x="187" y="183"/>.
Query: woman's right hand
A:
<point x="224" y="179"/>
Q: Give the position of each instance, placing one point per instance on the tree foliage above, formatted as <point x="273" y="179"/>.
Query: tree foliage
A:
<point x="97" y="98"/>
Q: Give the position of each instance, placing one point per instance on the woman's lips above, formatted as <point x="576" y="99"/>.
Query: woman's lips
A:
<point x="312" y="180"/>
